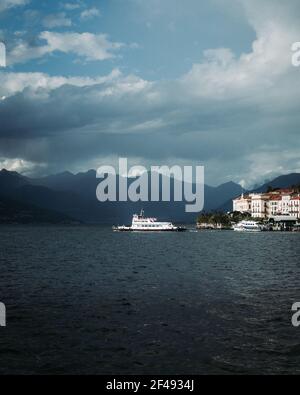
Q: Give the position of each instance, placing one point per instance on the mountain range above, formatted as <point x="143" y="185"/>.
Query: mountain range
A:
<point x="67" y="197"/>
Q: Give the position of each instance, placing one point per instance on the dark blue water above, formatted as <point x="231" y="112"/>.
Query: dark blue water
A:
<point x="87" y="300"/>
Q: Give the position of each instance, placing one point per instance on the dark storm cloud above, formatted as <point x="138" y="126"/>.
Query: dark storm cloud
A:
<point x="70" y="124"/>
<point x="237" y="115"/>
<point x="93" y="122"/>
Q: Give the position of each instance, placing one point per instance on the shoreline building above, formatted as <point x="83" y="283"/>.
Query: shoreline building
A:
<point x="281" y="202"/>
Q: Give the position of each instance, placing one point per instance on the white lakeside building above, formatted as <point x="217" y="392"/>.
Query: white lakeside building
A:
<point x="282" y="202"/>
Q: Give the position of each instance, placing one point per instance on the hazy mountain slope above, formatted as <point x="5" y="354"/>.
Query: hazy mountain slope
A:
<point x="285" y="181"/>
<point x="13" y="212"/>
<point x="10" y="180"/>
<point x="75" y="196"/>
<point x="85" y="184"/>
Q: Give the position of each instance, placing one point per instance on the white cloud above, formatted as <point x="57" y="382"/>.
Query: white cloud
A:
<point x="57" y="20"/>
<point x="90" y="13"/>
<point x="224" y="75"/>
<point x="12" y="83"/>
<point x="6" y="4"/>
<point x="90" y="46"/>
<point x="71" y="6"/>
<point x="266" y="164"/>
<point x="20" y="165"/>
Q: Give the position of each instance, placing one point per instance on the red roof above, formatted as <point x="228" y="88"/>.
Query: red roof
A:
<point x="275" y="197"/>
<point x="286" y="191"/>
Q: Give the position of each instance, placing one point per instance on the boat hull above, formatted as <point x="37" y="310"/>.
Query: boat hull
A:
<point x="128" y="229"/>
<point x="247" y="230"/>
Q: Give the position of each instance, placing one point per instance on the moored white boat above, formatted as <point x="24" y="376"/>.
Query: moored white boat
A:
<point x="140" y="223"/>
<point x="247" y="226"/>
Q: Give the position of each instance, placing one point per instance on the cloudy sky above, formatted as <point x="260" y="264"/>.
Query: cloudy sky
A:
<point x="158" y="81"/>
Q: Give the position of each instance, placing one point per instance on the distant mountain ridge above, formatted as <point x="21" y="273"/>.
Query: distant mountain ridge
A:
<point x="285" y="181"/>
<point x="74" y="196"/>
<point x="85" y="184"/>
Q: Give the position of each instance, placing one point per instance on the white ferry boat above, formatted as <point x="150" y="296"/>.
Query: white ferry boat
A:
<point x="140" y="223"/>
<point x="247" y="226"/>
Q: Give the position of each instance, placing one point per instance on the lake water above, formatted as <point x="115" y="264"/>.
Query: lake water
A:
<point x="87" y="300"/>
